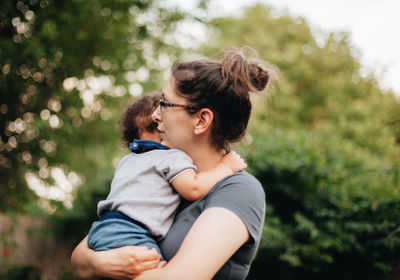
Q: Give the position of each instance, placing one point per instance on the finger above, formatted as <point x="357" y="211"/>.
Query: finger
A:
<point x="142" y="254"/>
<point x="142" y="266"/>
<point x="153" y="255"/>
<point x="149" y="256"/>
<point x="153" y="251"/>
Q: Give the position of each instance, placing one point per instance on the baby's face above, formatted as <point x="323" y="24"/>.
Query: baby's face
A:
<point x="153" y="136"/>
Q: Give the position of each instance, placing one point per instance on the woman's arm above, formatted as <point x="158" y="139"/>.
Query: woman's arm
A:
<point x="121" y="263"/>
<point x="215" y="236"/>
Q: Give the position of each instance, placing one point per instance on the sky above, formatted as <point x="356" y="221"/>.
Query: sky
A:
<point x="374" y="27"/>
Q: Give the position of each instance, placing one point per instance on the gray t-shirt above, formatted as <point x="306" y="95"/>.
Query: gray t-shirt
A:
<point x="242" y="194"/>
<point x="140" y="188"/>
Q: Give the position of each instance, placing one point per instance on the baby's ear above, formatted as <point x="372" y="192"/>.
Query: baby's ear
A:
<point x="203" y="121"/>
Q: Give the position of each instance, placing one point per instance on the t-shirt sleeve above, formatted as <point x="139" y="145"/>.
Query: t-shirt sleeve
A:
<point x="173" y="164"/>
<point x="242" y="194"/>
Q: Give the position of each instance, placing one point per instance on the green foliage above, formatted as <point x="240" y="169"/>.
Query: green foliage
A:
<point x="326" y="151"/>
<point x="66" y="70"/>
<point x="20" y="273"/>
<point x="31" y="273"/>
<point x="333" y="208"/>
<point x="74" y="224"/>
<point x="320" y="86"/>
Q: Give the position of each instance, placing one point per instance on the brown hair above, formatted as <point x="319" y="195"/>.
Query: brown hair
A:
<point x="224" y="88"/>
<point x="137" y="118"/>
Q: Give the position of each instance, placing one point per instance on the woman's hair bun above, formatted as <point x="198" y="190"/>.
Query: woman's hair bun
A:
<point x="252" y="74"/>
<point x="259" y="77"/>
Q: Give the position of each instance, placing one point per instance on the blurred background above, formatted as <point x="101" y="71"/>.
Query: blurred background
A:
<point x="324" y="142"/>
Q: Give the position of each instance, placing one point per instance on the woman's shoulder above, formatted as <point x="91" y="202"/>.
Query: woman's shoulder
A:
<point x="240" y="180"/>
<point x="243" y="176"/>
<point x="238" y="188"/>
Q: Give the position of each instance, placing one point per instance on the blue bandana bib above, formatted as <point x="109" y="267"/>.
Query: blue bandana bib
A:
<point x="141" y="146"/>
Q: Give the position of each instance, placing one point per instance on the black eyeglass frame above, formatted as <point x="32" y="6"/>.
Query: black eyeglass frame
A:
<point x="164" y="103"/>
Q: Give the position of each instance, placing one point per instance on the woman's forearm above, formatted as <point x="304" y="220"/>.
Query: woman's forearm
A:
<point x="81" y="261"/>
<point x="206" y="247"/>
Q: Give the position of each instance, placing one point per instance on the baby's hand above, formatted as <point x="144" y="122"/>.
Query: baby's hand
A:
<point x="234" y="161"/>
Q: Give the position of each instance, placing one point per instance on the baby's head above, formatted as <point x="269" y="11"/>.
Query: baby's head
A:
<point x="136" y="122"/>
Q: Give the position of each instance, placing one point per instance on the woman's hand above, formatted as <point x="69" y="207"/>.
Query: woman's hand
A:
<point x="126" y="262"/>
<point x="121" y="263"/>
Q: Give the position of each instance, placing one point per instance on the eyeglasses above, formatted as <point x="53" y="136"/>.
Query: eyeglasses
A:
<point x="163" y="103"/>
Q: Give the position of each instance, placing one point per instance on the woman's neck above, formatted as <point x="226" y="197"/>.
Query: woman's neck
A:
<point x="206" y="157"/>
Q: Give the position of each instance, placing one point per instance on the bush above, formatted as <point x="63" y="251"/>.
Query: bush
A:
<point x="20" y="273"/>
<point x="333" y="208"/>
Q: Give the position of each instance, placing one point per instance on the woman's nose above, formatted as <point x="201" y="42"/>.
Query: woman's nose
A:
<point x="156" y="116"/>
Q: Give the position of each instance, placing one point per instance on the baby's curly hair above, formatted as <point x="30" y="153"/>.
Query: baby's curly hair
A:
<point x="137" y="118"/>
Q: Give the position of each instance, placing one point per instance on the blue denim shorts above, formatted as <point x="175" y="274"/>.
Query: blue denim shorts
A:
<point x="115" y="230"/>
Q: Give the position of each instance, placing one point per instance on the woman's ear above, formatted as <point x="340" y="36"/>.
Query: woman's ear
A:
<point x="203" y="121"/>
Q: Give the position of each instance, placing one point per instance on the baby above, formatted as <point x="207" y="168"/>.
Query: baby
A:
<point x="141" y="205"/>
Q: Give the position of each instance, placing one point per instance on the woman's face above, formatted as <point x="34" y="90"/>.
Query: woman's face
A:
<point x="175" y="124"/>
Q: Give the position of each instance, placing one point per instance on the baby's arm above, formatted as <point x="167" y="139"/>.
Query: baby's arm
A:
<point x="191" y="185"/>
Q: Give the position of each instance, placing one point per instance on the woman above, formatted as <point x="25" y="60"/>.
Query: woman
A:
<point x="205" y="107"/>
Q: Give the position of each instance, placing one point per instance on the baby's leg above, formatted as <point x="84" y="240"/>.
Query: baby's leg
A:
<point x="114" y="233"/>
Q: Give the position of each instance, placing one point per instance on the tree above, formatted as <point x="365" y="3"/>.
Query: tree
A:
<point x="68" y="69"/>
<point x="320" y="84"/>
<point x="325" y="150"/>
